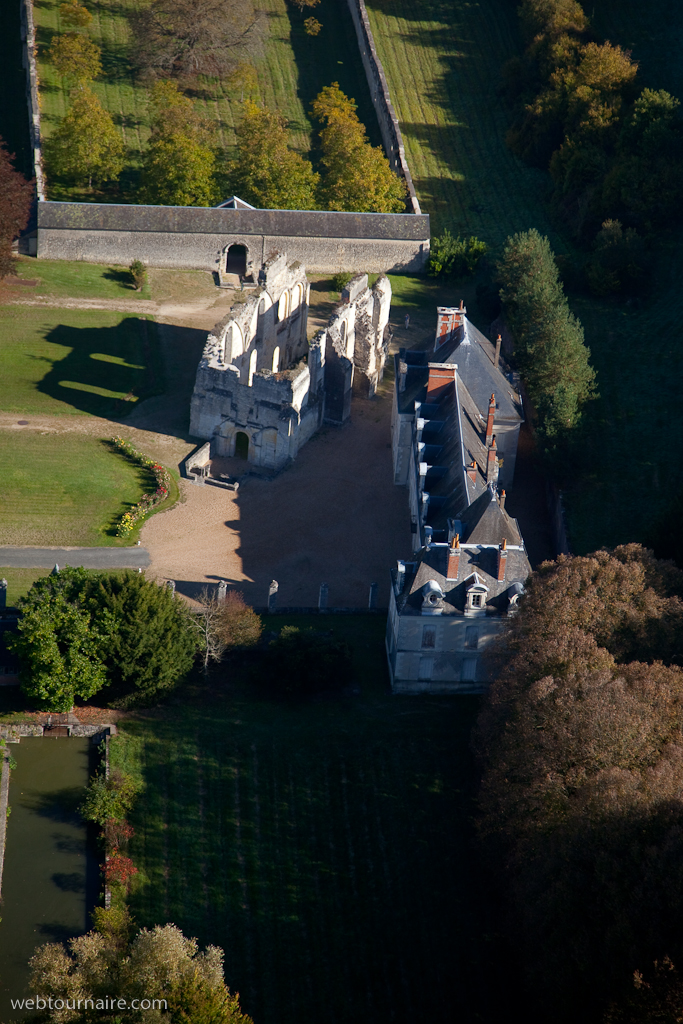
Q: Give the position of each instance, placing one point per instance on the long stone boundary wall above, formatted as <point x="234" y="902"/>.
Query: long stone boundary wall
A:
<point x="379" y="90"/>
<point x="198" y="238"/>
<point x="28" y="35"/>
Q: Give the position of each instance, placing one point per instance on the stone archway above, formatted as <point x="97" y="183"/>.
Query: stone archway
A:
<point x="241" y="445"/>
<point x="236" y="260"/>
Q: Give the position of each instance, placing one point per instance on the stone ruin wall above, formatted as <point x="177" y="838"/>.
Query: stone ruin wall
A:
<point x="356" y="341"/>
<point x="259" y="375"/>
<point x="252" y="377"/>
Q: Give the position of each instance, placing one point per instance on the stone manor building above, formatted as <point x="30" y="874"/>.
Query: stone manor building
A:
<point x="262" y="389"/>
<point x="455" y="427"/>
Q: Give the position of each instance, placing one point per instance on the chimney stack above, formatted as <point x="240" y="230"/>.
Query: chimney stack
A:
<point x="440" y="376"/>
<point x="453" y="559"/>
<point x="492" y="462"/>
<point x="472" y="471"/>
<point x="502" y="501"/>
<point x="499" y="342"/>
<point x="502" y="560"/>
<point x="489" y="419"/>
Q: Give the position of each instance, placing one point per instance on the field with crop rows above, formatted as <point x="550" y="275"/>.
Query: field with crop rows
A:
<point x="292" y="68"/>
<point x="442" y="61"/>
<point x="323" y="845"/>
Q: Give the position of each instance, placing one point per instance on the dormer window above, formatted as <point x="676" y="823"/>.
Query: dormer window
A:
<point x="432" y="598"/>
<point x="475" y="602"/>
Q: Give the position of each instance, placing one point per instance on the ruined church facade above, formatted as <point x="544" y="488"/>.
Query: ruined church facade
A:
<point x="262" y="389"/>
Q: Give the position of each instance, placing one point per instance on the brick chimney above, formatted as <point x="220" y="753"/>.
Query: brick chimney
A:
<point x="492" y="462"/>
<point x="489" y="419"/>
<point x="502" y="560"/>
<point x="453" y="559"/>
<point x="472" y="471"/>
<point x="440" y="376"/>
<point x="496" y="358"/>
<point x="502" y="501"/>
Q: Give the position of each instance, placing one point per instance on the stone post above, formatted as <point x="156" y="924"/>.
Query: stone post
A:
<point x="322" y="597"/>
<point x="3" y="593"/>
<point x="372" y="599"/>
<point x="272" y="596"/>
<point x="222" y="590"/>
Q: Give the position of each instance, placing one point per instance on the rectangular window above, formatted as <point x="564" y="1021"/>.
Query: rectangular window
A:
<point x="428" y="636"/>
<point x="472" y="637"/>
<point x="468" y="673"/>
<point x="476" y="600"/>
<point x="426" y="668"/>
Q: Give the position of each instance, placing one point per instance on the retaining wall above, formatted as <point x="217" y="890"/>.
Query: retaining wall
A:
<point x="379" y="90"/>
<point x="196" y="238"/>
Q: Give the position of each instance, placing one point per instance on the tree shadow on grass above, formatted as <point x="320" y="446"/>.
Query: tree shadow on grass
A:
<point x="120" y="276"/>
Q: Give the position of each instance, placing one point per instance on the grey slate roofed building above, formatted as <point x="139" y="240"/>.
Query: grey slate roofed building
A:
<point x="455" y="428"/>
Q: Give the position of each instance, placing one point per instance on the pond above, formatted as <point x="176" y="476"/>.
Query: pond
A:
<point x="50" y="880"/>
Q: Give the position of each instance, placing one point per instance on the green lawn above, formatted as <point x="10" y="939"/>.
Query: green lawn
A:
<point x="292" y="69"/>
<point x="64" y="489"/>
<point x="323" y="845"/>
<point x="75" y="361"/>
<point x="20" y="581"/>
<point x="78" y="280"/>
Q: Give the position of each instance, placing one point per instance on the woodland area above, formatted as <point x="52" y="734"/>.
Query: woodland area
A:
<point x="581" y="746"/>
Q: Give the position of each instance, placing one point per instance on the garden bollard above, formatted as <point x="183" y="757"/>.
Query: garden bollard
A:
<point x="372" y="600"/>
<point x="322" y="597"/>
<point x="272" y="596"/>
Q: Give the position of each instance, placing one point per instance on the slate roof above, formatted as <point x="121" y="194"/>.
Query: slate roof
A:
<point x="430" y="564"/>
<point x="203" y="220"/>
<point x="473" y="354"/>
<point x="453" y="436"/>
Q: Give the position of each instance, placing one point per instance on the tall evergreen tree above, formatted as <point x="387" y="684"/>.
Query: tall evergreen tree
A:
<point x="549" y="340"/>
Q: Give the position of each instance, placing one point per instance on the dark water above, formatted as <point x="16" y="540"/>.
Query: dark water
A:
<point x="50" y="878"/>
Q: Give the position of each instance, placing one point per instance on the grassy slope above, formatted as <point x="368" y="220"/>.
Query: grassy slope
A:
<point x="291" y="71"/>
<point x="74" y="361"/>
<point x="442" y="61"/>
<point x="323" y="845"/>
<point x="64" y="489"/>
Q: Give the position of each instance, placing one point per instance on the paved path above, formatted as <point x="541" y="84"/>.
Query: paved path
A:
<point x="89" y="558"/>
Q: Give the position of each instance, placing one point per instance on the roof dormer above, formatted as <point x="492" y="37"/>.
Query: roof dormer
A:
<point x="476" y="594"/>
<point x="432" y="598"/>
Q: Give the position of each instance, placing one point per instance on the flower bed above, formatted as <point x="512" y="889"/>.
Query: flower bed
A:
<point x="147" y="501"/>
